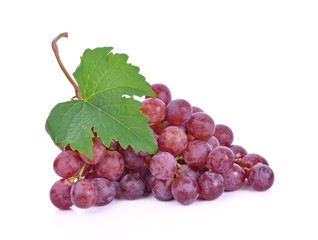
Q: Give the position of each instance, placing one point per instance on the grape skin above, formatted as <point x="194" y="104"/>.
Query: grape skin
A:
<point x="213" y="141"/>
<point x="162" y="92"/>
<point x="154" y="109"/>
<point x="161" y="189"/>
<point x="67" y="164"/>
<point x="251" y="159"/>
<point x="185" y="189"/>
<point x="234" y="178"/>
<point x="132" y="160"/>
<point x="111" y="167"/>
<point x="132" y="186"/>
<point x="211" y="185"/>
<point x="106" y="191"/>
<point x="163" y="165"/>
<point x="260" y="177"/>
<point x="83" y="193"/>
<point x="224" y="134"/>
<point x="60" y="194"/>
<point x="201" y="126"/>
<point x="99" y="151"/>
<point x="220" y="159"/>
<point x="173" y="140"/>
<point x="239" y="151"/>
<point x="178" y="111"/>
<point x="196" y="153"/>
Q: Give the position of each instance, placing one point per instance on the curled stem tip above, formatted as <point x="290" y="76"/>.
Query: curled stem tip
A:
<point x="57" y="55"/>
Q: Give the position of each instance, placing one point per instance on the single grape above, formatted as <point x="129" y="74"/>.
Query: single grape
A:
<point x="132" y="186"/>
<point x="84" y="193"/>
<point x="111" y="167"/>
<point x="60" y="194"/>
<point x="201" y="126"/>
<point x="99" y="151"/>
<point x="234" y="178"/>
<point x="260" y="177"/>
<point x="190" y="171"/>
<point x="220" y="159"/>
<point x="67" y="164"/>
<point x="239" y="151"/>
<point x="155" y="109"/>
<point x="163" y="165"/>
<point x="162" y="92"/>
<point x="196" y="153"/>
<point x="106" y="191"/>
<point x="213" y="141"/>
<point x="178" y="111"/>
<point x="196" y="109"/>
<point x="185" y="189"/>
<point x="211" y="185"/>
<point x="161" y="189"/>
<point x="173" y="140"/>
<point x="143" y="171"/>
<point x="132" y="160"/>
<point x="251" y="159"/>
<point x="224" y="134"/>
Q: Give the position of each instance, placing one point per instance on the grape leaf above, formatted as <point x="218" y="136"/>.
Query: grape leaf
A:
<point x="107" y="84"/>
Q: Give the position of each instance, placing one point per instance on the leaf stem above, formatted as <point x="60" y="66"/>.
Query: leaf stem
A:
<point x="57" y="55"/>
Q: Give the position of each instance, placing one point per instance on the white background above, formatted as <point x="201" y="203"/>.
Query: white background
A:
<point x="252" y="65"/>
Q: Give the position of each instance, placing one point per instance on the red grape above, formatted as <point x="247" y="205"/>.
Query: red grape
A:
<point x="67" y="164"/>
<point x="220" y="159"/>
<point x="196" y="153"/>
<point x="163" y="165"/>
<point x="213" y="141"/>
<point x="178" y="111"/>
<point x="234" y="178"/>
<point x="162" y="92"/>
<point x="154" y="108"/>
<point x="211" y="185"/>
<point x="173" y="140"/>
<point x="112" y="166"/>
<point x="84" y="193"/>
<point x="185" y="189"/>
<point x="239" y="151"/>
<point x="106" y="191"/>
<point x="132" y="186"/>
<point x="99" y="151"/>
<point x="201" y="126"/>
<point x="60" y="194"/>
<point x="260" y="177"/>
<point x="251" y="159"/>
<point x="224" y="134"/>
<point x="161" y="189"/>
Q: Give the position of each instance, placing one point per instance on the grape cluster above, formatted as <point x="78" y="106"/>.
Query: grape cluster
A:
<point x="195" y="160"/>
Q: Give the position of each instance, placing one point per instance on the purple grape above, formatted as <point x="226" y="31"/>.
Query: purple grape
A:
<point x="162" y="92"/>
<point x="213" y="141"/>
<point x="67" y="164"/>
<point x="111" y="167"/>
<point x="196" y="109"/>
<point x="99" y="151"/>
<point x="161" y="189"/>
<point x="163" y="165"/>
<point x="143" y="171"/>
<point x="60" y="194"/>
<point x="224" y="134"/>
<point x="132" y="160"/>
<point x="239" y="151"/>
<point x="211" y="185"/>
<point x="196" y="153"/>
<point x="251" y="159"/>
<point x="173" y="140"/>
<point x="190" y="171"/>
<point x="154" y="109"/>
<point x="234" y="178"/>
<point x="185" y="189"/>
<point x="220" y="159"/>
<point x="106" y="191"/>
<point x="201" y="126"/>
<point x="83" y="193"/>
<point x="178" y="111"/>
<point x="132" y="186"/>
<point x="260" y="177"/>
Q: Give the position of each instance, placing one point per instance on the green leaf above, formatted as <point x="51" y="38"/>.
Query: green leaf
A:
<point x="103" y="78"/>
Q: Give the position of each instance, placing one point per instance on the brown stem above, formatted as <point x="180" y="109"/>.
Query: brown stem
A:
<point x="57" y="55"/>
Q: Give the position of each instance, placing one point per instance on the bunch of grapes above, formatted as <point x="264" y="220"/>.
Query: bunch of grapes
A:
<point x="195" y="160"/>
